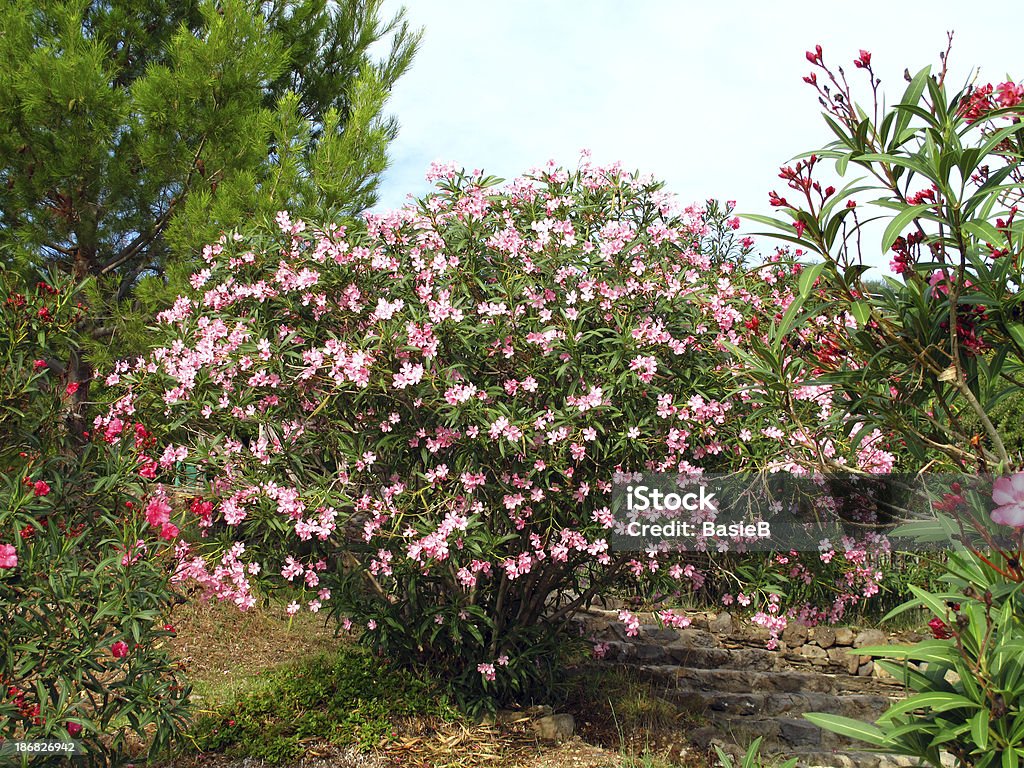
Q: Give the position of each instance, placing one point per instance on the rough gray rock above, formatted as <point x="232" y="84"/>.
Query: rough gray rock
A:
<point x="722" y="623"/>
<point x="559" y="727"/>
<point x="844" y="636"/>
<point x="824" y="637"/>
<point x="870" y="637"/>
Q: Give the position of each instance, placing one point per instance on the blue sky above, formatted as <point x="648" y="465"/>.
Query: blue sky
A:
<point x="706" y="96"/>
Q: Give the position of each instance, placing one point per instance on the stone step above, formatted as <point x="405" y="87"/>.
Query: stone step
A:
<point x="683" y="654"/>
<point x="725" y="706"/>
<point x="747" y="681"/>
<point x="781" y="735"/>
<point x="815" y="759"/>
<point x="697" y="651"/>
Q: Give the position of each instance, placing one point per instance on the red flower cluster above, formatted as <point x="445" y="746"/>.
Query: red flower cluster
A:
<point x="798" y="177"/>
<point x="987" y="98"/>
<point x="902" y="262"/>
<point x="940" y="630"/>
<point x="25" y="709"/>
<point x="950" y="502"/>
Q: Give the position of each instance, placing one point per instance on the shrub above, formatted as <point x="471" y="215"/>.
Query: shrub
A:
<point x="417" y="423"/>
<point x="84" y="582"/>
<point x="932" y="353"/>
<point x="935" y="356"/>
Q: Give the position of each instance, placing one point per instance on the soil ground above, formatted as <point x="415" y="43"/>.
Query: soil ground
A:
<point x="223" y="649"/>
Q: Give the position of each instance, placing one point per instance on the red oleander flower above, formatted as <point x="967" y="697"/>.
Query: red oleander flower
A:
<point x="940" y="630"/>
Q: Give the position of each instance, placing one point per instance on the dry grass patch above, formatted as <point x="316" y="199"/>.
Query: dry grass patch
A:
<point x="223" y="648"/>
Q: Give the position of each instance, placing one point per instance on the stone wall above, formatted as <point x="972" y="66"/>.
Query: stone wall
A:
<point x="720" y="668"/>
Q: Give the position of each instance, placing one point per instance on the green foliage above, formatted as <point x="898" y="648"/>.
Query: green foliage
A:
<point x="1008" y="417"/>
<point x="935" y="358"/>
<point x="82" y="651"/>
<point x="931" y="355"/>
<point x="618" y="697"/>
<point x="967" y="683"/>
<point x="347" y="698"/>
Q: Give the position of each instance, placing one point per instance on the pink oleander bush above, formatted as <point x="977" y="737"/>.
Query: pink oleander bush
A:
<point x="413" y="424"/>
<point x="84" y="581"/>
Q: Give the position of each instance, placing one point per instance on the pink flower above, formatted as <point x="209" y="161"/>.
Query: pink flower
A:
<point x="41" y="488"/>
<point x="8" y="556"/>
<point x="487" y="670"/>
<point x="74" y="729"/>
<point x="1008" y="493"/>
<point x="631" y="621"/>
<point x="38" y="364"/>
<point x="158" y="511"/>
<point x="71" y="388"/>
<point x="119" y="649"/>
<point x="409" y="375"/>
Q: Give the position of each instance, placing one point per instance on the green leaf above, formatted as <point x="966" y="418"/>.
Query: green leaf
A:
<point x="768" y="221"/>
<point x="983" y="231"/>
<point x="910" y="677"/>
<point x="1016" y="330"/>
<point x="935" y="605"/>
<point x="979" y="728"/>
<point x="940" y="651"/>
<point x="808" y="276"/>
<point x="899" y="221"/>
<point x="936" y="701"/>
<point x="911" y="97"/>
<point x="847" y="726"/>
<point x="861" y="311"/>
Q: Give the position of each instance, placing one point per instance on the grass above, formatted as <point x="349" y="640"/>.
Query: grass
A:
<point x="344" y="698"/>
<point x="271" y="691"/>
<point x="619" y="709"/>
<point x="224" y="649"/>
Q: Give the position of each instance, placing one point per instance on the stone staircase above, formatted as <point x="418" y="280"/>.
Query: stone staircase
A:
<point x="721" y="670"/>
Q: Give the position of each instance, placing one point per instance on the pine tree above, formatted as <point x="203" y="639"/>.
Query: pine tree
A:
<point x="134" y="131"/>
